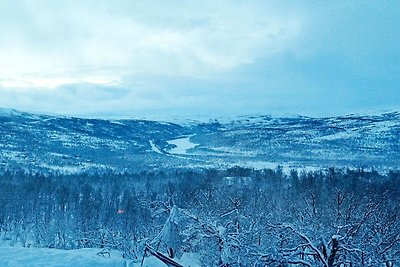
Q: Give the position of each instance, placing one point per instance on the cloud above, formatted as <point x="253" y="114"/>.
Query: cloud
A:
<point x="74" y="39"/>
<point x="141" y="58"/>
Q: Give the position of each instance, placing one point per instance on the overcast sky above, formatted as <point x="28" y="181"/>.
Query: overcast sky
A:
<point x="207" y="58"/>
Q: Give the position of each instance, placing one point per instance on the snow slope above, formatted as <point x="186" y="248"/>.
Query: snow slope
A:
<point x="69" y="145"/>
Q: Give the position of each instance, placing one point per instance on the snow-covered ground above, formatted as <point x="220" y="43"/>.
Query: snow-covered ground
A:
<point x="340" y="135"/>
<point x="182" y="145"/>
<point x="39" y="257"/>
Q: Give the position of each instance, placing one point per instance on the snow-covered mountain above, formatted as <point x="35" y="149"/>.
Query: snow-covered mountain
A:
<point x="67" y="144"/>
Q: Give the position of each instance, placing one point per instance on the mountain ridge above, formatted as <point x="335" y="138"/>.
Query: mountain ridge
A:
<point x="50" y="143"/>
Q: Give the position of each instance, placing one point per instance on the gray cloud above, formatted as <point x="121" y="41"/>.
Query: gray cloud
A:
<point x="54" y="38"/>
<point x="194" y="58"/>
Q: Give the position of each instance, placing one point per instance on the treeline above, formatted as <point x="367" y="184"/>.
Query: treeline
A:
<point x="333" y="217"/>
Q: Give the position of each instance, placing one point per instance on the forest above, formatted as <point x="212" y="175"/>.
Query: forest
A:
<point x="230" y="217"/>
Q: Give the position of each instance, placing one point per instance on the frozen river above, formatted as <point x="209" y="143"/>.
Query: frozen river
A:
<point x="182" y="145"/>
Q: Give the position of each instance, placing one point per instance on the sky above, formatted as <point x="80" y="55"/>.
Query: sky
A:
<point x="191" y="59"/>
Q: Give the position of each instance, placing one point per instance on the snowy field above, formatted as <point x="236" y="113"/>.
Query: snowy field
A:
<point x="41" y="257"/>
<point x="38" y="257"/>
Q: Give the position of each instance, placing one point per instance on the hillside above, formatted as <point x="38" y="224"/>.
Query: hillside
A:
<point x="67" y="144"/>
